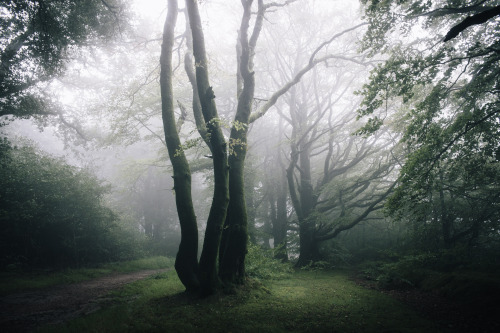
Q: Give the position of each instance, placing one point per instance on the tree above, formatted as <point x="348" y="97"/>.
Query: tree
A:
<point x="448" y="84"/>
<point x="228" y="158"/>
<point x="335" y="179"/>
<point x="354" y="179"/>
<point x="38" y="38"/>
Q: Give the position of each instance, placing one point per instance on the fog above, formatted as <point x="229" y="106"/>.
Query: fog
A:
<point x="315" y="133"/>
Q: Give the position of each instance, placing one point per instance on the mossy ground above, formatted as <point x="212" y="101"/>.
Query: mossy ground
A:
<point x="316" y="301"/>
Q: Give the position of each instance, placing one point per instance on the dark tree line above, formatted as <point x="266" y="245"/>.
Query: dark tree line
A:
<point x="54" y="215"/>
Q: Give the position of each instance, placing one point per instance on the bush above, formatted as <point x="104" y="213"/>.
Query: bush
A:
<point x="334" y="254"/>
<point x="260" y="264"/>
<point x="52" y="214"/>
<point x="407" y="272"/>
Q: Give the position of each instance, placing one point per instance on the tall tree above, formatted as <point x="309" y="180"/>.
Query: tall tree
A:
<point x="228" y="203"/>
<point x="218" y="145"/>
<point x="353" y="182"/>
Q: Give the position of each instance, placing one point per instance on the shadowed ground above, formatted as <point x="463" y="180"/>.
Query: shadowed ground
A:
<point x="25" y="311"/>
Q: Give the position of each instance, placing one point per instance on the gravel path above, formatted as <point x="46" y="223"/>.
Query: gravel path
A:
<point x="23" y="312"/>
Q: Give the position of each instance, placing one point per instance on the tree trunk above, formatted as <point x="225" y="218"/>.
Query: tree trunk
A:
<point x="307" y="225"/>
<point x="445" y="219"/>
<point x="249" y="180"/>
<point x="186" y="263"/>
<point x="235" y="238"/>
<point x="232" y="258"/>
<point x="208" y="269"/>
<point x="281" y="221"/>
<point x="309" y="251"/>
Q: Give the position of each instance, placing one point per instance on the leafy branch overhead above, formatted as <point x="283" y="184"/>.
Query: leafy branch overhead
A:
<point x="37" y="41"/>
<point x="440" y="80"/>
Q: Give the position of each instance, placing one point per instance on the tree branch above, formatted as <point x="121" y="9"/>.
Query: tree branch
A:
<point x="360" y="218"/>
<point x="296" y="79"/>
<point x="479" y="18"/>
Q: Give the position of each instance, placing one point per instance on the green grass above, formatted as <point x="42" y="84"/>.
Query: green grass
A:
<point x="320" y="301"/>
<point x="11" y="282"/>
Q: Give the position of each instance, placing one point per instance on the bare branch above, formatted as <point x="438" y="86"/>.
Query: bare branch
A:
<point x="74" y="126"/>
<point x="374" y="206"/>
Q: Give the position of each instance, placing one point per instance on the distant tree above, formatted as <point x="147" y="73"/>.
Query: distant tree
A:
<point x="335" y="180"/>
<point x="145" y="195"/>
<point x="277" y="196"/>
<point x="444" y="73"/>
<point x="38" y="38"/>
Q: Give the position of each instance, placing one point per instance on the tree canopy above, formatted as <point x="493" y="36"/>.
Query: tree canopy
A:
<point x="38" y="38"/>
<point x="444" y="71"/>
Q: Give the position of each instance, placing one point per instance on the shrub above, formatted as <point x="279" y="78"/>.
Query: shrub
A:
<point x="408" y="272"/>
<point x="260" y="264"/>
<point x="52" y="214"/>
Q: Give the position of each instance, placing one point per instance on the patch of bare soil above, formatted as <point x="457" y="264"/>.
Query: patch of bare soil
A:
<point x="451" y="316"/>
<point x="23" y="312"/>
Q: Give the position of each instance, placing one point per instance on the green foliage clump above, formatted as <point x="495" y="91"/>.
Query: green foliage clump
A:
<point x="317" y="265"/>
<point x="37" y="39"/>
<point x="53" y="214"/>
<point x="335" y="254"/>
<point x="415" y="270"/>
<point x="408" y="272"/>
<point x="475" y="288"/>
<point x="446" y="99"/>
<point x="261" y="264"/>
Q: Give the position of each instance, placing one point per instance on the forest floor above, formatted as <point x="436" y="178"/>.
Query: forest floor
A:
<point x="458" y="317"/>
<point x="153" y="301"/>
<point x="25" y="311"/>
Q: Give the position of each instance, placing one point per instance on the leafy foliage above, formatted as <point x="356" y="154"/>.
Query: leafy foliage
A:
<point x="37" y="38"/>
<point x="261" y="264"/>
<point x="450" y="181"/>
<point x="53" y="214"/>
<point x="408" y="271"/>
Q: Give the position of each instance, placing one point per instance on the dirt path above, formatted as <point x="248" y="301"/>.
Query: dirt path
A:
<point x="23" y="312"/>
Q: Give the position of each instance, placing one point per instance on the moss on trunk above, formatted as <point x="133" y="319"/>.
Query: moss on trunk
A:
<point x="186" y="263"/>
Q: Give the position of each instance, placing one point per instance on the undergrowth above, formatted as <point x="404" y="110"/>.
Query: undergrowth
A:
<point x="261" y="264"/>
